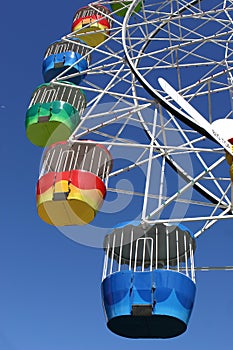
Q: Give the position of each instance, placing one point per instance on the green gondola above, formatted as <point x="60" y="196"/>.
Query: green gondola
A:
<point x="54" y="113"/>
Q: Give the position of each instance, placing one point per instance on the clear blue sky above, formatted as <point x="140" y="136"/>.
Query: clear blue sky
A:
<point x="50" y="285"/>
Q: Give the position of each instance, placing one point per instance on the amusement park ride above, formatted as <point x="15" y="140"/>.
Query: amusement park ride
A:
<point x="130" y="79"/>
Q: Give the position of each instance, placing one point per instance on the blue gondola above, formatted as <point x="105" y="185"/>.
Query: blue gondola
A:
<point x="148" y="286"/>
<point x="63" y="55"/>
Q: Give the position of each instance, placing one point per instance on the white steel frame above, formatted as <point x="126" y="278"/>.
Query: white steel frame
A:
<point x="117" y="74"/>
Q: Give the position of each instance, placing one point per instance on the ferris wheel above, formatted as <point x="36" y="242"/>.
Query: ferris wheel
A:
<point x="136" y="111"/>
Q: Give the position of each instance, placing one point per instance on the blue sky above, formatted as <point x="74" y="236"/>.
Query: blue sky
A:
<point x="50" y="285"/>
